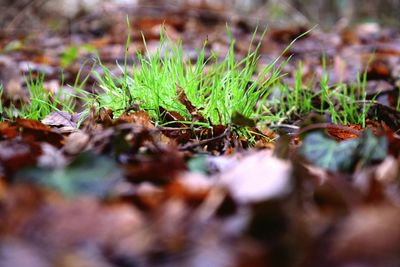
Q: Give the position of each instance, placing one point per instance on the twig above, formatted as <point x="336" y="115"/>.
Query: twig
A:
<point x="207" y="141"/>
<point x="163" y="128"/>
<point x="288" y="128"/>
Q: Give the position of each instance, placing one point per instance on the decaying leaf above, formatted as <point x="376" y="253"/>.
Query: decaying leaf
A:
<point x="15" y="155"/>
<point x="76" y="142"/>
<point x="369" y="237"/>
<point x="118" y="193"/>
<point x="241" y="120"/>
<point x="343" y="156"/>
<point x="88" y="174"/>
<point x="258" y="177"/>
<point x="62" y="119"/>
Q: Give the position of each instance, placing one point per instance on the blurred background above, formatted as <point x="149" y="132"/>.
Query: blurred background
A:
<point x="18" y="15"/>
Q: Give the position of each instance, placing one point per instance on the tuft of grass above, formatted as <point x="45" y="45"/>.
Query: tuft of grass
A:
<point x="41" y="101"/>
<point x="218" y="86"/>
<point x="342" y="103"/>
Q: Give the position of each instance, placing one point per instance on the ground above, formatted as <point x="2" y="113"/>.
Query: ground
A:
<point x="307" y="176"/>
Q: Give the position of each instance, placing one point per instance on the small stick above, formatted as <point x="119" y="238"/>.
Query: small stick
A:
<point x="206" y="141"/>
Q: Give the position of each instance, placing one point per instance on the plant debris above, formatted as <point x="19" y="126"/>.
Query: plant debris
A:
<point x="187" y="144"/>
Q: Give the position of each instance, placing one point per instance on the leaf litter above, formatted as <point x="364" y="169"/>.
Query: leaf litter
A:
<point x="125" y="191"/>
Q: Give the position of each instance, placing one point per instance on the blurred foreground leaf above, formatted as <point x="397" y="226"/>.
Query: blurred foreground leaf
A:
<point x="342" y="156"/>
<point x="88" y="174"/>
<point x="198" y="164"/>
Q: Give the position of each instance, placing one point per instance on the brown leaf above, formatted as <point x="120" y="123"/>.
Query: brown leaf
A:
<point x="341" y="133"/>
<point x="105" y="117"/>
<point x="141" y="118"/>
<point x="15" y="155"/>
<point x="182" y="97"/>
<point x="386" y="114"/>
<point x="76" y="142"/>
<point x="160" y="168"/>
<point x="370" y="237"/>
<point x="241" y="120"/>
<point x="172" y="116"/>
<point x="36" y="131"/>
<point x="61" y="119"/>
<point x="8" y="131"/>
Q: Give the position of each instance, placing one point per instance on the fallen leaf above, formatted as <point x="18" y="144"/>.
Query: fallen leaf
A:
<point x="182" y="97"/>
<point x="257" y="177"/>
<point x="369" y="237"/>
<point x="76" y="142"/>
<point x="36" y="131"/>
<point x="140" y="117"/>
<point x="15" y="155"/>
<point x="51" y="157"/>
<point x="327" y="153"/>
<point x="61" y="119"/>
<point x="88" y="174"/>
<point x="241" y="120"/>
<point x="343" y="156"/>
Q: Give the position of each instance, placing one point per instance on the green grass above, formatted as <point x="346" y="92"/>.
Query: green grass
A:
<point x="41" y="102"/>
<point x="344" y="104"/>
<point x="218" y="86"/>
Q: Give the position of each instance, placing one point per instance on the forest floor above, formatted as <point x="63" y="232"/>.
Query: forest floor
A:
<point x="309" y="180"/>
